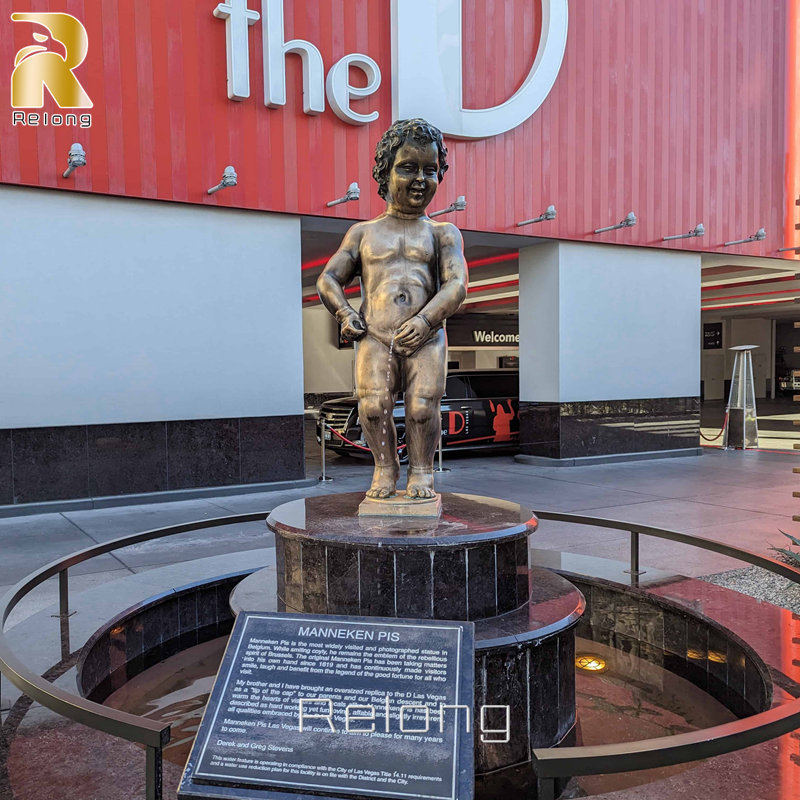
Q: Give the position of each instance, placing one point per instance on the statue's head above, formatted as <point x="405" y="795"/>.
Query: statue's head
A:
<point x="417" y="131"/>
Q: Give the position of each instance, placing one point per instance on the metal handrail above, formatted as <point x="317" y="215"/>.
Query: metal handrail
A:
<point x="153" y="735"/>
<point x="562" y="762"/>
<point x="548" y="763"/>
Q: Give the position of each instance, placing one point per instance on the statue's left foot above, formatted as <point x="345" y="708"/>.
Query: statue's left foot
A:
<point x="420" y="484"/>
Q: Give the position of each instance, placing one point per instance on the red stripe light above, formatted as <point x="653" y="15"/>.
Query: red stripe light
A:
<point x="745" y="305"/>
<point x="746" y="283"/>
<point x="480" y="262"/>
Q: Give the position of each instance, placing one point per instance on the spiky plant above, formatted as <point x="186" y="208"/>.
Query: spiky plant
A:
<point x="786" y="554"/>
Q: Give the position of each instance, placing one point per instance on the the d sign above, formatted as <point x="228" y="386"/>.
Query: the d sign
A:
<point x="426" y="69"/>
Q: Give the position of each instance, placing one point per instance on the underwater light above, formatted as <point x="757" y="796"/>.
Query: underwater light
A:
<point x="590" y="663"/>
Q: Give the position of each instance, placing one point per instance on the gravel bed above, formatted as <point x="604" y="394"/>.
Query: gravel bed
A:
<point x="760" y="584"/>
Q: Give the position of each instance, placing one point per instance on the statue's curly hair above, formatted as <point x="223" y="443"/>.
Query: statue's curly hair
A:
<point x="415" y="130"/>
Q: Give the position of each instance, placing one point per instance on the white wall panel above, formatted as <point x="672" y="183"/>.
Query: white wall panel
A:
<point x="117" y="310"/>
<point x="602" y="322"/>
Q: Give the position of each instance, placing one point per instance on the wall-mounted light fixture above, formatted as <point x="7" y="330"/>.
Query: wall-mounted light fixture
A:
<point x="459" y="205"/>
<point x="352" y="193"/>
<point x="698" y="230"/>
<point x="758" y="236"/>
<point x="75" y="159"/>
<point x="229" y="178"/>
<point x="629" y="221"/>
<point x="549" y="213"/>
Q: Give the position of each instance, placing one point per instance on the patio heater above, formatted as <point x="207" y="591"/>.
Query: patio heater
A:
<point x="741" y="431"/>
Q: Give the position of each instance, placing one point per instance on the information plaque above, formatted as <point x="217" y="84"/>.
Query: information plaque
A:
<point x="351" y="707"/>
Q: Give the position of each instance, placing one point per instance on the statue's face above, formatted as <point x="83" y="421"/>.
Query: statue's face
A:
<point x="414" y="177"/>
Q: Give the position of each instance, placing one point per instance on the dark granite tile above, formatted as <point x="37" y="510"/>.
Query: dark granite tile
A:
<point x="523" y="574"/>
<point x="170" y="618"/>
<point x="187" y="613"/>
<point x="539" y="429"/>
<point x="697" y="642"/>
<point x="293" y="574"/>
<point x="506" y="688"/>
<point x="170" y="647"/>
<point x="481" y="589"/>
<point x="717" y="689"/>
<point x="50" y="464"/>
<point x="377" y="583"/>
<point x="343" y="588"/>
<point x="315" y="580"/>
<point x="135" y="667"/>
<point x="584" y="630"/>
<point x="754" y="689"/>
<point x="414" y="584"/>
<point x="96" y="668"/>
<point x="626" y="614"/>
<point x="603" y="612"/>
<point x="152" y="628"/>
<point x="206" y="608"/>
<point x="676" y="664"/>
<point x="101" y="691"/>
<point x="133" y="631"/>
<point x="127" y="458"/>
<point x="595" y="436"/>
<point x="625" y="644"/>
<point x="203" y="453"/>
<point x="479" y="701"/>
<point x="117" y="679"/>
<point x="651" y="624"/>
<point x="152" y="657"/>
<point x="603" y="636"/>
<point x="506" y="556"/>
<point x="544" y="692"/>
<point x="450" y="584"/>
<point x="6" y="472"/>
<point x="566" y="683"/>
<point x="718" y="656"/>
<point x="224" y="589"/>
<point x="272" y="448"/>
<point x="651" y="654"/>
<point x="736" y="669"/>
<point x="676" y="636"/>
<point x="117" y="655"/>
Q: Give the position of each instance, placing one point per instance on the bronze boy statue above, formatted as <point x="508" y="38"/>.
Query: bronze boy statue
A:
<point x="413" y="277"/>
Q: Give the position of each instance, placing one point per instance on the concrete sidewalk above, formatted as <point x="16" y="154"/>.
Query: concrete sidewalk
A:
<point x="741" y="498"/>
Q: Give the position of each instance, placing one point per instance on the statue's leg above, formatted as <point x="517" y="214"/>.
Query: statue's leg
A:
<point x="424" y="377"/>
<point x="377" y="381"/>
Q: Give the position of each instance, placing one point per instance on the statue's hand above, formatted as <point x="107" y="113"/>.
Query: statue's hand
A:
<point x="413" y="333"/>
<point x="353" y="325"/>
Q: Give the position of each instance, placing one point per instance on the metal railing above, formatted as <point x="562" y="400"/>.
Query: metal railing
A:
<point x="154" y="736"/>
<point x="549" y="764"/>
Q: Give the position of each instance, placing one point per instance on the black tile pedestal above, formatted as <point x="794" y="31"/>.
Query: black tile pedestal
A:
<point x="469" y="564"/>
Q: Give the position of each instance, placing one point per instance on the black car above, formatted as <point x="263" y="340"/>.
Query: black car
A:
<point x="480" y="410"/>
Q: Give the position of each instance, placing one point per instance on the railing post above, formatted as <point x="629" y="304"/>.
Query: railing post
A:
<point x="634" y="571"/>
<point x="323" y="478"/>
<point x="154" y="773"/>
<point x="3" y="708"/>
<point x="440" y="468"/>
<point x="63" y="612"/>
<point x="547" y="788"/>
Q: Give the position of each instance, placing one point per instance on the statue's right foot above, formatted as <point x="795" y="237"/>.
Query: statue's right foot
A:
<point x="384" y="481"/>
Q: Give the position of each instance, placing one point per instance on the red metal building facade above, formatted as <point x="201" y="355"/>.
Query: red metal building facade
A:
<point x="676" y="111"/>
